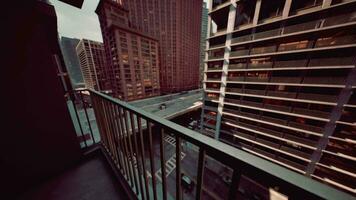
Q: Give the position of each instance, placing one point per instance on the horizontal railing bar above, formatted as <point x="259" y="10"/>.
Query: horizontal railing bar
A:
<point x="232" y="156"/>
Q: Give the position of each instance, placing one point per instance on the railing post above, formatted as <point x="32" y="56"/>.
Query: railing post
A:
<point x="79" y="123"/>
<point x="122" y="143"/>
<point x="133" y="131"/>
<point x="234" y="184"/>
<point x="163" y="165"/>
<point x="132" y="156"/>
<point x="200" y="177"/>
<point x="149" y="125"/>
<point x="86" y="115"/>
<point x="127" y="153"/>
<point x="139" y="124"/>
<point x="178" y="168"/>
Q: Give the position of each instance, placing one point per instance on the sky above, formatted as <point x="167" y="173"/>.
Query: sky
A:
<point x="78" y="23"/>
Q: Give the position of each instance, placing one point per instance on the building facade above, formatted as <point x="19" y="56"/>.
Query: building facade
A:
<point x="68" y="48"/>
<point x="203" y="36"/>
<point x="279" y="82"/>
<point x="174" y="24"/>
<point x="91" y="57"/>
<point x="132" y="56"/>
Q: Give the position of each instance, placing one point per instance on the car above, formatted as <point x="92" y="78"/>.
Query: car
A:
<point x="193" y="125"/>
<point x="187" y="183"/>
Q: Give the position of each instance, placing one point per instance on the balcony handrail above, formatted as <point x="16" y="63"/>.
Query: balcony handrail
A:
<point x="235" y="158"/>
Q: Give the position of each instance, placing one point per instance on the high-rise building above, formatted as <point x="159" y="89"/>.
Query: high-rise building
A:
<point x="92" y="63"/>
<point x="175" y="24"/>
<point x="280" y="83"/>
<point x="203" y="36"/>
<point x="132" y="56"/>
<point x="70" y="57"/>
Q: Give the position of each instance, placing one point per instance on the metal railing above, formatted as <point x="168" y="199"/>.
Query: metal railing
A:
<point x="81" y="111"/>
<point x="127" y="136"/>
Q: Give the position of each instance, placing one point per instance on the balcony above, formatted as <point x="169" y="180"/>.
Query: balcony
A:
<point x="256" y="79"/>
<point x="255" y="92"/>
<point x="219" y="32"/>
<point x="339" y="61"/>
<point x="290" y="63"/>
<point x="281" y="94"/>
<point x="280" y="79"/>
<point x="237" y="66"/>
<point x="216" y="45"/>
<point x="213" y="79"/>
<point x="318" y="97"/>
<point x="308" y="112"/>
<point x="306" y="127"/>
<point x="240" y="39"/>
<point x="243" y="52"/>
<point x="324" y="80"/>
<point x="237" y="78"/>
<point x="237" y="90"/>
<point x="278" y="107"/>
<point x="219" y="4"/>
<point x="267" y="34"/>
<point x="136" y="141"/>
<point x="339" y="19"/>
<point x="90" y="179"/>
<point x="262" y="50"/>
<point x="301" y="27"/>
<point x="210" y="57"/>
<point x="260" y="65"/>
<point x="134" y="144"/>
<point x="274" y="120"/>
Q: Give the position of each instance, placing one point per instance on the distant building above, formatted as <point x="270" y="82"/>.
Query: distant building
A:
<point x="68" y="46"/>
<point x="176" y="24"/>
<point x="92" y="62"/>
<point x="132" y="56"/>
<point x="203" y="36"/>
<point x="280" y="83"/>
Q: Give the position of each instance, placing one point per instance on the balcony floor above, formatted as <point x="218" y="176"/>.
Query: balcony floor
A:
<point x="90" y="179"/>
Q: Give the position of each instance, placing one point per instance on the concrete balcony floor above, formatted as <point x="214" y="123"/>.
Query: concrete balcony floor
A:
<point x="91" y="179"/>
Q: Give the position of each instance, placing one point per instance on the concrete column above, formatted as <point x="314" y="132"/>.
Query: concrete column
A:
<point x="210" y="5"/>
<point x="326" y="3"/>
<point x="286" y="9"/>
<point x="205" y="63"/>
<point x="329" y="129"/>
<point x="257" y="12"/>
<point x="230" y="28"/>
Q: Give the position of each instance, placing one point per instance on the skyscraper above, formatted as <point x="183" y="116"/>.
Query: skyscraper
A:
<point x="203" y="36"/>
<point x="279" y="82"/>
<point x="68" y="46"/>
<point x="175" y="25"/>
<point x="92" y="63"/>
<point x="132" y="56"/>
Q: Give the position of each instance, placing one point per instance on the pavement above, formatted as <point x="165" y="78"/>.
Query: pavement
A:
<point x="175" y="104"/>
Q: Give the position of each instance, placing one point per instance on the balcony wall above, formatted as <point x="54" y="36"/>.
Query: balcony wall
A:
<point x="37" y="137"/>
